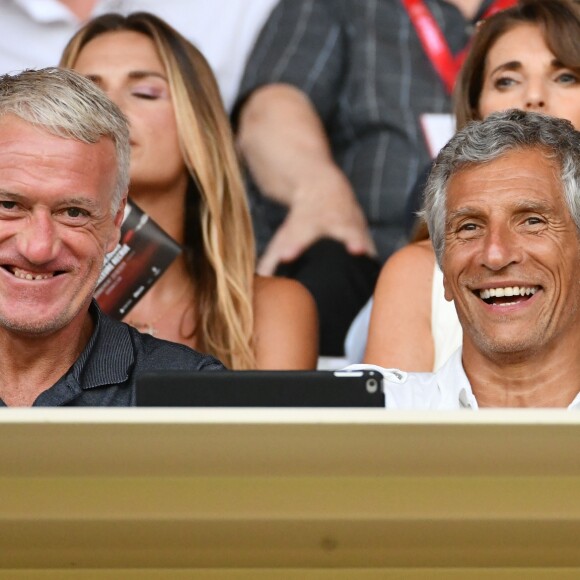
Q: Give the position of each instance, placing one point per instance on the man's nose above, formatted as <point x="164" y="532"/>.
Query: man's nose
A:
<point x="501" y="248"/>
<point x="38" y="240"/>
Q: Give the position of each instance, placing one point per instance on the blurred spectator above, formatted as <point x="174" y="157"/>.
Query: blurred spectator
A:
<point x="185" y="174"/>
<point x="33" y="33"/>
<point x="329" y="125"/>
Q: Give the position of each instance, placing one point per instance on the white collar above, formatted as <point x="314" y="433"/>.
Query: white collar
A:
<point x="454" y="385"/>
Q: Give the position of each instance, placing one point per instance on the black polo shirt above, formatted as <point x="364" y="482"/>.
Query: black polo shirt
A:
<point x="105" y="373"/>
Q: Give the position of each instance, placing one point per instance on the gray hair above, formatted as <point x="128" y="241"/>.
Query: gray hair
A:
<point x="483" y="141"/>
<point x="66" y="104"/>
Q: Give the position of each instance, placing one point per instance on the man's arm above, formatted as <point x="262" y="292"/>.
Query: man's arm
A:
<point x="284" y="143"/>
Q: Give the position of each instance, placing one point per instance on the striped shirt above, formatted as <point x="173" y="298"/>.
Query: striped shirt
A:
<point x="106" y="372"/>
<point x="363" y="67"/>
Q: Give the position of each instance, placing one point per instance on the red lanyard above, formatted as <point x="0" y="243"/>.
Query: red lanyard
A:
<point x="434" y="43"/>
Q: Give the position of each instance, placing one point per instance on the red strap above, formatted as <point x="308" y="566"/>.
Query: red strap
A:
<point x="498" y="6"/>
<point x="434" y="43"/>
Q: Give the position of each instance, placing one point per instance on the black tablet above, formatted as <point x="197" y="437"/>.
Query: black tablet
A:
<point x="261" y="389"/>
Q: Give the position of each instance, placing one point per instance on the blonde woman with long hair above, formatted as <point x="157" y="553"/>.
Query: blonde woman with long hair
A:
<point x="185" y="175"/>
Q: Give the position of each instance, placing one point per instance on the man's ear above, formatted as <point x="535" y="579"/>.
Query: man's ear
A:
<point x="117" y="221"/>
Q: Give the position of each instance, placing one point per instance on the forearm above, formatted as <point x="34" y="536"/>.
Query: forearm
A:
<point x="286" y="149"/>
<point x="284" y="144"/>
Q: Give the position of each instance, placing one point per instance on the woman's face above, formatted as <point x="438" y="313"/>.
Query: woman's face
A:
<point x="521" y="72"/>
<point x="127" y="67"/>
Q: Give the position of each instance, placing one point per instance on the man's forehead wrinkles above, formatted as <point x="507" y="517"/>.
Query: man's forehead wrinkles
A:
<point x="463" y="211"/>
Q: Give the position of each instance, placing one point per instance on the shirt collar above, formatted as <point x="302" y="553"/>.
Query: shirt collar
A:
<point x="455" y="388"/>
<point x="453" y="384"/>
<point x="575" y="404"/>
<point x="107" y="357"/>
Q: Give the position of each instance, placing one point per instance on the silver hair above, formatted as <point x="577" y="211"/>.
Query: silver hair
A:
<point x="66" y="104"/>
<point x="483" y="141"/>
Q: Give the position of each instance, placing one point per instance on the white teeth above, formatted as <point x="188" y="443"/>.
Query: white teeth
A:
<point x="28" y="276"/>
<point x="507" y="291"/>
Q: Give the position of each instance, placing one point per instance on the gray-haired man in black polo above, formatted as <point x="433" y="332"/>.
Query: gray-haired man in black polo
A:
<point x="64" y="172"/>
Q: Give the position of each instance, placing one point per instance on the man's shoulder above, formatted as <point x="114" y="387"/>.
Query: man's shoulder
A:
<point x="146" y="353"/>
<point x="153" y="353"/>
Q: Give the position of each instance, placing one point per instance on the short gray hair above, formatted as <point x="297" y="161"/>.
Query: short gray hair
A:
<point x="483" y="141"/>
<point x="66" y="104"/>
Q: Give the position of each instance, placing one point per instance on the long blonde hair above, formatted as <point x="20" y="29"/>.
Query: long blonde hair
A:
<point x="219" y="240"/>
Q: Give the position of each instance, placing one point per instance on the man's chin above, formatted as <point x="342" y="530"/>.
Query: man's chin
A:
<point x="520" y="347"/>
<point x="38" y="324"/>
<point x="33" y="328"/>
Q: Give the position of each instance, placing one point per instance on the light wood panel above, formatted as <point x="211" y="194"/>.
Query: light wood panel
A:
<point x="307" y="493"/>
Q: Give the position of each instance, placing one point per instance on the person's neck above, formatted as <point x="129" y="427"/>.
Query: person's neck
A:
<point x="468" y="8"/>
<point x="32" y="364"/>
<point x="536" y="379"/>
<point x="164" y="207"/>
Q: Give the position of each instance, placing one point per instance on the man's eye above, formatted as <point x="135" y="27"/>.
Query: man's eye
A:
<point x="75" y="212"/>
<point x="534" y="221"/>
<point x="7" y="204"/>
<point x="467" y="230"/>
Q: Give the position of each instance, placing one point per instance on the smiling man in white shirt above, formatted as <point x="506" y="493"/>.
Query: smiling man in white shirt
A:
<point x="503" y="208"/>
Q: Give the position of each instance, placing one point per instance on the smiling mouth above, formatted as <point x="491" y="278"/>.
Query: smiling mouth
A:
<point x="28" y="275"/>
<point x="506" y="296"/>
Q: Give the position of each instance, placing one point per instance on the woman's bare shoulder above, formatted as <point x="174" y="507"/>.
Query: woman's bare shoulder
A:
<point x="285" y="324"/>
<point x="412" y="266"/>
<point x="400" y="326"/>
<point x="412" y="256"/>
<point x="272" y="291"/>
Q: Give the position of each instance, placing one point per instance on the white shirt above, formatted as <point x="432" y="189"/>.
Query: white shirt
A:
<point x="33" y="33"/>
<point x="446" y="389"/>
